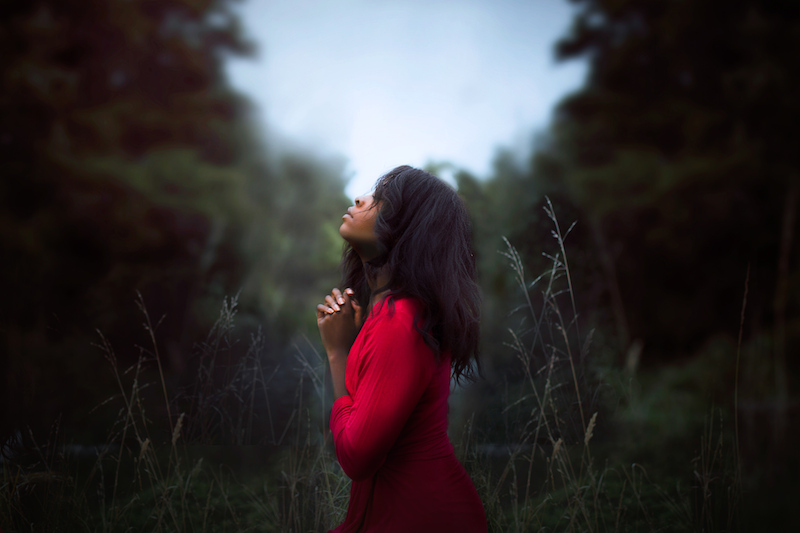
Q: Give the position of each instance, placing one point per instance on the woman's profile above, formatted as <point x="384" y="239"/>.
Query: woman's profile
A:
<point x="408" y="316"/>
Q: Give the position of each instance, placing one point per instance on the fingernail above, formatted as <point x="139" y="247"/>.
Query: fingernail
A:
<point x="349" y="291"/>
<point x="336" y="307"/>
<point x="341" y="300"/>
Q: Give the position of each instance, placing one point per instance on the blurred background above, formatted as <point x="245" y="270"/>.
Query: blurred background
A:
<point x="172" y="155"/>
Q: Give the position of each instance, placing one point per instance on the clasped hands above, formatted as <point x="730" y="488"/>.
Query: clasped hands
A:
<point x="339" y="320"/>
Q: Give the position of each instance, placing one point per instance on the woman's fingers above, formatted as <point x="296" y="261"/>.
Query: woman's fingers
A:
<point x="352" y="297"/>
<point x="323" y="310"/>
<point x="332" y="303"/>
<point x="337" y="294"/>
<point x="352" y="294"/>
<point x="337" y="321"/>
<point x="358" y="311"/>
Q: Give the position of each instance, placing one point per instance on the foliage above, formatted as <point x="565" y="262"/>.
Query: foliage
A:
<point x="131" y="165"/>
<point x="675" y="157"/>
<point x="675" y="160"/>
<point x="552" y="471"/>
<point x="678" y="149"/>
<point x="174" y="467"/>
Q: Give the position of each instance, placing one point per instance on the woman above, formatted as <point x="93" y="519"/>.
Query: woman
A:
<point x="409" y="314"/>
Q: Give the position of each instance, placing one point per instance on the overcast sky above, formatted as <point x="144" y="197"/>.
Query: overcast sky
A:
<point x="390" y="82"/>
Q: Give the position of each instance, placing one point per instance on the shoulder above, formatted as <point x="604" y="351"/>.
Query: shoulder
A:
<point x="398" y="310"/>
<point x="391" y="338"/>
<point x="394" y="318"/>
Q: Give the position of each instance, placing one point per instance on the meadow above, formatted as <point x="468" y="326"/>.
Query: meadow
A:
<point x="570" y="442"/>
<point x="639" y="371"/>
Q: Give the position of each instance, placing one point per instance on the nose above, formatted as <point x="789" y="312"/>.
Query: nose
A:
<point x="363" y="201"/>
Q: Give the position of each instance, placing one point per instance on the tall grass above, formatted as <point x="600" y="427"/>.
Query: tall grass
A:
<point x="158" y="472"/>
<point x="551" y="479"/>
<point x="154" y="471"/>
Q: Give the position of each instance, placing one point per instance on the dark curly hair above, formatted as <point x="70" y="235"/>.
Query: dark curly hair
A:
<point x="424" y="238"/>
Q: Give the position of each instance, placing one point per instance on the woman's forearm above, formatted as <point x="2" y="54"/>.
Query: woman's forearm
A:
<point x="338" y="364"/>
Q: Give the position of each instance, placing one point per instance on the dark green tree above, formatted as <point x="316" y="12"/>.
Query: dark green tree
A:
<point x="130" y="164"/>
<point x="680" y="152"/>
<point x="677" y="160"/>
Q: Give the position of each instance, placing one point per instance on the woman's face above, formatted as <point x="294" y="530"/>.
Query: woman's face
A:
<point x="358" y="227"/>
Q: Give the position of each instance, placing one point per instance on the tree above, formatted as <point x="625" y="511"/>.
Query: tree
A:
<point x="130" y="164"/>
<point x="679" y="150"/>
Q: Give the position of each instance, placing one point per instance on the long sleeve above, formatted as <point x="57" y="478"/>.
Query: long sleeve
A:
<point x="388" y="376"/>
<point x="390" y="433"/>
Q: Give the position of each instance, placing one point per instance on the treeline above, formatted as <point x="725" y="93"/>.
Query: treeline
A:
<point x="131" y="165"/>
<point x="678" y="161"/>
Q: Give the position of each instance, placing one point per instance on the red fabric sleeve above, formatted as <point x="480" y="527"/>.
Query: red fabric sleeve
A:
<point x="393" y="369"/>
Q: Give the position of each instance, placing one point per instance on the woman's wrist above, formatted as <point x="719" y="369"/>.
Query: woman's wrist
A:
<point x="337" y="354"/>
<point x="338" y="370"/>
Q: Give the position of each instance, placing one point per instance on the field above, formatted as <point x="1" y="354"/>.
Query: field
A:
<point x="566" y="441"/>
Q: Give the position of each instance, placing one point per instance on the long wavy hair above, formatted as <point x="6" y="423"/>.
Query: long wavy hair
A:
<point x="425" y="242"/>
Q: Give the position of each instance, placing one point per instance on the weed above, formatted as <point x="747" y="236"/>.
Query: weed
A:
<point x="551" y="471"/>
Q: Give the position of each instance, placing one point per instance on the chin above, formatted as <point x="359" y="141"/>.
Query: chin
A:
<point x="344" y="233"/>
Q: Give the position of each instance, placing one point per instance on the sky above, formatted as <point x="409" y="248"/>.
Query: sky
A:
<point x="382" y="83"/>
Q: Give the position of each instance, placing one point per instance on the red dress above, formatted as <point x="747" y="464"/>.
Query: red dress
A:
<point x="390" y="434"/>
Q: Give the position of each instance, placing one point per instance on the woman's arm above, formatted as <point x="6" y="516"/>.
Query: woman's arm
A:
<point x="338" y="319"/>
<point x="395" y="368"/>
<point x="338" y="365"/>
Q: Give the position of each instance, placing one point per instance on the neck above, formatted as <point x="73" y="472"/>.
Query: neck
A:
<point x="382" y="277"/>
<point x="379" y="281"/>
